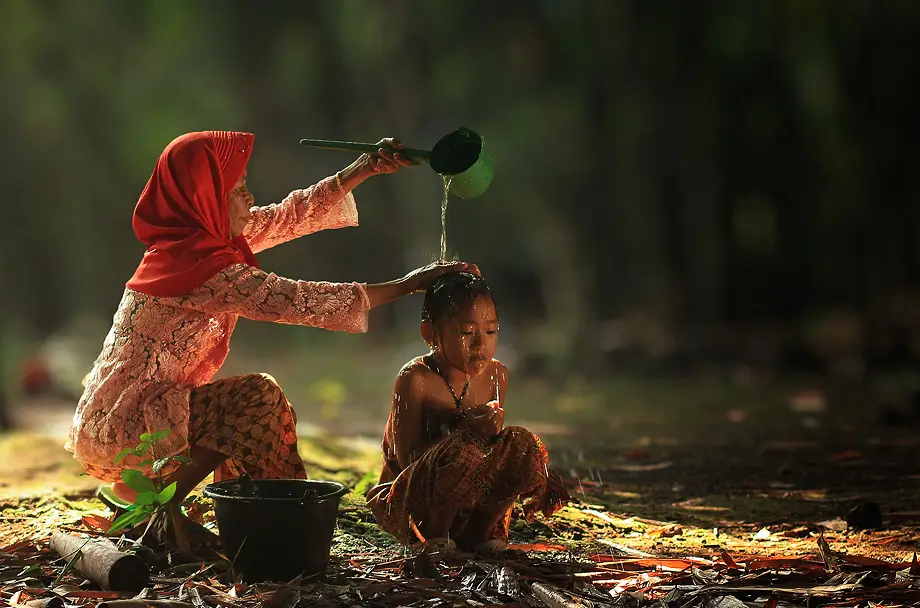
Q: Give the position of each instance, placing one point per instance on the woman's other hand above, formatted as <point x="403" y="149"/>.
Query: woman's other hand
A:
<point x="420" y="278"/>
<point x="417" y="280"/>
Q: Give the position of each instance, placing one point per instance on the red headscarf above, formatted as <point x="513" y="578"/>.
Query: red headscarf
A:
<point x="182" y="215"/>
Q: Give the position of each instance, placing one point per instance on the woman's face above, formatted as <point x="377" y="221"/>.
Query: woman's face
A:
<point x="240" y="200"/>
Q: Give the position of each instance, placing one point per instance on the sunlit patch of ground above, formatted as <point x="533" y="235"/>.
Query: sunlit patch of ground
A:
<point x="674" y="467"/>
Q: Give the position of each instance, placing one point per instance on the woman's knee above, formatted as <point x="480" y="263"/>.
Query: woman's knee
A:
<point x="261" y="382"/>
<point x="266" y="392"/>
<point x="263" y="385"/>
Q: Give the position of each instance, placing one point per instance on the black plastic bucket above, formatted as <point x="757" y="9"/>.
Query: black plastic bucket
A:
<point x="276" y="529"/>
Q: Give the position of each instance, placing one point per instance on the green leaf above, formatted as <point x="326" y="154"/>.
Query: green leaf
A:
<point x="128" y="519"/>
<point x="121" y="522"/>
<point x="125" y="452"/>
<point x="166" y="495"/>
<point x="158" y="465"/>
<point x="161" y="434"/>
<point x="145" y="498"/>
<point x="145" y="436"/>
<point x="182" y="459"/>
<point x="141" y="448"/>
<point x="145" y="463"/>
<point x="135" y="480"/>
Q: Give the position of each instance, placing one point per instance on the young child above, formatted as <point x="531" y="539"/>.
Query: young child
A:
<point x="451" y="470"/>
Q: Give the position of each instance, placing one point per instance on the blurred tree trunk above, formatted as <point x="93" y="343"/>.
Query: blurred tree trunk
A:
<point x="567" y="276"/>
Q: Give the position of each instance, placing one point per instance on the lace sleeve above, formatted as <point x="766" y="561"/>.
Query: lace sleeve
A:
<point x="320" y="207"/>
<point x="261" y="296"/>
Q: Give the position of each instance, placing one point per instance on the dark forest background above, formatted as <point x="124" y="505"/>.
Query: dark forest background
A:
<point x="678" y="185"/>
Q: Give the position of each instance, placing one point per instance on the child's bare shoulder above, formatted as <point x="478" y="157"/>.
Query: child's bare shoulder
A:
<point x="412" y="374"/>
<point x="416" y="366"/>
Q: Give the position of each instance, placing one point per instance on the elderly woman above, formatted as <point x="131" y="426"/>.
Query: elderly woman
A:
<point x="171" y="332"/>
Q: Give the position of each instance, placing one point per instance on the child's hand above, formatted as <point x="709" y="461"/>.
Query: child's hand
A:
<point x="486" y="419"/>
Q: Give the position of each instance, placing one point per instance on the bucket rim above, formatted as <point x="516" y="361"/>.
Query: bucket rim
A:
<point x="213" y="491"/>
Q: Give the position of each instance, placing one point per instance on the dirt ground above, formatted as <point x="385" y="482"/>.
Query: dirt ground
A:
<point x="669" y="468"/>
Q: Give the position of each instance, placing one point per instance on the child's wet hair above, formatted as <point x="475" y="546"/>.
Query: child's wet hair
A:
<point x="450" y="292"/>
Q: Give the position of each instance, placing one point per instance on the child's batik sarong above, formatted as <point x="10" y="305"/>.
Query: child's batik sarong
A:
<point x="464" y="472"/>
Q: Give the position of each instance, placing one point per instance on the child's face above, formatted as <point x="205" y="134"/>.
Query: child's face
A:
<point x="240" y="200"/>
<point x="468" y="340"/>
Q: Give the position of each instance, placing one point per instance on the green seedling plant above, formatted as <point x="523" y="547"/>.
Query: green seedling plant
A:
<point x="151" y="494"/>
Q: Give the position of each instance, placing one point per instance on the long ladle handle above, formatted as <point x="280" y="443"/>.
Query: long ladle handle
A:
<point x="331" y="144"/>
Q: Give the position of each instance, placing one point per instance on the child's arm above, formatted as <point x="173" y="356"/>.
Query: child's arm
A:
<point x="322" y="206"/>
<point x="406" y="413"/>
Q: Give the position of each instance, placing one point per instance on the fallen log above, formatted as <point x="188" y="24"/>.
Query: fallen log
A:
<point x="102" y="563"/>
<point x="553" y="596"/>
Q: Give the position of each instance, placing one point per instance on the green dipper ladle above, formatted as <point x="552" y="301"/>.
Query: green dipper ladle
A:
<point x="460" y="155"/>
